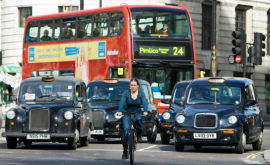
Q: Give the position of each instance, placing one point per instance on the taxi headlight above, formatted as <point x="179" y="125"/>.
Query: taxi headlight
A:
<point x="68" y="115"/>
<point x="180" y="119"/>
<point x="10" y="114"/>
<point x="166" y="115"/>
<point x="116" y="116"/>
<point x="232" y="119"/>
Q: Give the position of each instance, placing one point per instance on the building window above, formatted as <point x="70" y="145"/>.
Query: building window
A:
<point x="24" y="12"/>
<point x="67" y="8"/>
<point x="240" y="19"/>
<point x="206" y="26"/>
<point x="268" y="33"/>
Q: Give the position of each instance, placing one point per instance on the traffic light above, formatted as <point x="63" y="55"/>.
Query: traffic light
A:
<point x="259" y="45"/>
<point x="239" y="43"/>
<point x="251" y="57"/>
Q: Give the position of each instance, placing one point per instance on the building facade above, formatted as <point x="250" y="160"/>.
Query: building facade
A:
<point x="249" y="15"/>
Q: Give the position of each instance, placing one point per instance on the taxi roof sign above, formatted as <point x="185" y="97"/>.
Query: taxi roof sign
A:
<point x="47" y="79"/>
<point x="110" y="81"/>
<point x="216" y="80"/>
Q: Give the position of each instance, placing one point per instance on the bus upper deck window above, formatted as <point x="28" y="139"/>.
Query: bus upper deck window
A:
<point x="31" y="32"/>
<point x="116" y="23"/>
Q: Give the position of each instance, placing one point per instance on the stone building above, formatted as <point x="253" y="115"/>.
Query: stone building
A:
<point x="249" y="15"/>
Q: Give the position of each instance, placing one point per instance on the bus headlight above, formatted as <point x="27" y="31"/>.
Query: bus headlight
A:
<point x="232" y="119"/>
<point x="116" y="116"/>
<point x="166" y="115"/>
<point x="180" y="119"/>
<point x="68" y="115"/>
<point x="10" y="114"/>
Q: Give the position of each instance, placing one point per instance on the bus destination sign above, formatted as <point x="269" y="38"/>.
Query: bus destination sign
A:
<point x="161" y="51"/>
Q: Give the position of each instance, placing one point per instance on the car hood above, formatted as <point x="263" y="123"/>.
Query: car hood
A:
<point x="105" y="105"/>
<point x="220" y="110"/>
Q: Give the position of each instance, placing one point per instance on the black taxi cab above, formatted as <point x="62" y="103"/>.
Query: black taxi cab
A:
<point x="104" y="97"/>
<point x="168" y="116"/>
<point x="49" y="109"/>
<point x="219" y="112"/>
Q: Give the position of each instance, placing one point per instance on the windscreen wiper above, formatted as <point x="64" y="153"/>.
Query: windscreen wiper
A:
<point x="58" y="97"/>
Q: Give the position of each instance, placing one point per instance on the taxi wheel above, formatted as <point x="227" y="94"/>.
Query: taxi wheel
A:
<point x="28" y="143"/>
<point x="258" y="144"/>
<point x="240" y="147"/>
<point x="198" y="147"/>
<point x="11" y="142"/>
<point x="179" y="146"/>
<point x="84" y="141"/>
<point x="72" y="143"/>
<point x="101" y="139"/>
<point x="165" y="139"/>
<point x="152" y="138"/>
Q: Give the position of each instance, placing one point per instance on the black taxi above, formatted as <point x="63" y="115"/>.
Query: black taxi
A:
<point x="219" y="112"/>
<point x="50" y="109"/>
<point x="168" y="116"/>
<point x="104" y="97"/>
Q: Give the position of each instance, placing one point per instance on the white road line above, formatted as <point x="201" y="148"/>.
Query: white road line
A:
<point x="250" y="161"/>
<point x="2" y="138"/>
<point x="66" y="153"/>
<point x="266" y="130"/>
<point x="10" y="152"/>
<point x="147" y="148"/>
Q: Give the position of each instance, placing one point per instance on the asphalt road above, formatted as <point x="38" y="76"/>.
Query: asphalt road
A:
<point x="110" y="151"/>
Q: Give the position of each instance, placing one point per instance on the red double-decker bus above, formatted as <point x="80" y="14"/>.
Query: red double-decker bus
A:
<point x="150" y="42"/>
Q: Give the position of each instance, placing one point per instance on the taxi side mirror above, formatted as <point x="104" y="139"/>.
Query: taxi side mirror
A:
<point x="178" y="102"/>
<point x="13" y="98"/>
<point x="165" y="101"/>
<point x="251" y="102"/>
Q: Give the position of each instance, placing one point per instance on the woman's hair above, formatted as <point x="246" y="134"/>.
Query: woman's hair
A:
<point x="136" y="80"/>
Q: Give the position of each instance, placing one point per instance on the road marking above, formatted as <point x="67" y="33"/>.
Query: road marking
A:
<point x="211" y="157"/>
<point x="250" y="161"/>
<point x="180" y="156"/>
<point x="147" y="148"/>
<point x="66" y="153"/>
<point x="10" y="152"/>
<point x="252" y="156"/>
<point x="96" y="154"/>
<point x="266" y="130"/>
<point x="2" y="138"/>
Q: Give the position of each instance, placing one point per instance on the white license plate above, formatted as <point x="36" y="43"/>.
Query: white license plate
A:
<point x="205" y="135"/>
<point x="38" y="136"/>
<point x="97" y="132"/>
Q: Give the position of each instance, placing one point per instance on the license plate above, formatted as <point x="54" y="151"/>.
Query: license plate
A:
<point x="205" y="135"/>
<point x="97" y="132"/>
<point x="38" y="136"/>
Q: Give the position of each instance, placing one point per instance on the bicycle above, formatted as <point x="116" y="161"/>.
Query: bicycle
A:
<point x="132" y="144"/>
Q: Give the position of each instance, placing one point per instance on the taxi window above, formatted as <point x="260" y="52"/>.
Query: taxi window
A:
<point x="109" y="92"/>
<point x="145" y="91"/>
<point x="46" y="92"/>
<point x="178" y="94"/>
<point x="229" y="95"/>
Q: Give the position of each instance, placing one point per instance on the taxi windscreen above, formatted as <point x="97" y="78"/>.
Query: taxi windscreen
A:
<point x="216" y="94"/>
<point x="109" y="92"/>
<point x="178" y="94"/>
<point x="43" y="91"/>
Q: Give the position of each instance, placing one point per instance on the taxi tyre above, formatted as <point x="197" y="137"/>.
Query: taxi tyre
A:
<point x="84" y="141"/>
<point x="72" y="142"/>
<point x="258" y="144"/>
<point x="240" y="147"/>
<point x="152" y="138"/>
<point x="179" y="147"/>
<point x="11" y="142"/>
<point x="198" y="147"/>
<point x="165" y="139"/>
<point x="27" y="143"/>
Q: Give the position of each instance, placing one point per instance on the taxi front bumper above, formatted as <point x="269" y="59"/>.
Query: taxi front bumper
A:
<point x="166" y="129"/>
<point x="222" y="139"/>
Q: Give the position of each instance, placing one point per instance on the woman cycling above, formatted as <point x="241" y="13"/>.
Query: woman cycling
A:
<point x="132" y="100"/>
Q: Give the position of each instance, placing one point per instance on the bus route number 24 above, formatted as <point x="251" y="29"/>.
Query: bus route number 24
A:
<point x="178" y="51"/>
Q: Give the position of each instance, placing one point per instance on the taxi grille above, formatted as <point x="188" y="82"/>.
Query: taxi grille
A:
<point x="98" y="119"/>
<point x="39" y="119"/>
<point x="205" y="120"/>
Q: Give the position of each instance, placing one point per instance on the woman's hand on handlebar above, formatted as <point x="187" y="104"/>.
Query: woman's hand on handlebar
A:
<point x="119" y="114"/>
<point x="145" y="113"/>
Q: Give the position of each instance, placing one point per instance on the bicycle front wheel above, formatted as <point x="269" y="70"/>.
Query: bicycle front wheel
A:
<point x="130" y="146"/>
